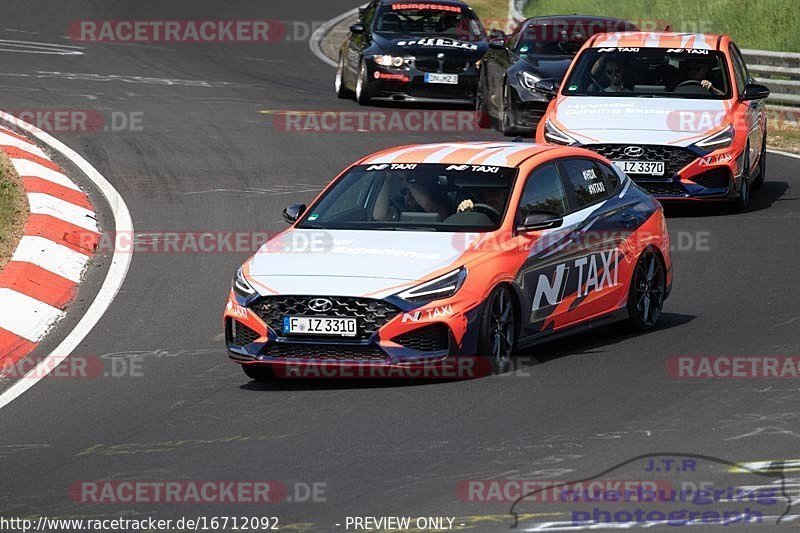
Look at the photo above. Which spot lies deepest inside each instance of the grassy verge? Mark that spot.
(763, 25)
(490, 10)
(13, 209)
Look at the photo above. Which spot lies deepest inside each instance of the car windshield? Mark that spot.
(415, 197)
(649, 72)
(563, 37)
(428, 19)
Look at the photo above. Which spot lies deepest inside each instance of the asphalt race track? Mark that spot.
(208, 158)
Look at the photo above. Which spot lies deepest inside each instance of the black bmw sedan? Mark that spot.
(540, 48)
(412, 52)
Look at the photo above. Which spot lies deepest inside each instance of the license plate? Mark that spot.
(302, 325)
(653, 168)
(447, 79)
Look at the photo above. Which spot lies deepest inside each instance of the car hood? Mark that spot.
(676, 121)
(349, 262)
(418, 46)
(545, 66)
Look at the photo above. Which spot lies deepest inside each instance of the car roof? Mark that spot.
(501, 154)
(656, 39)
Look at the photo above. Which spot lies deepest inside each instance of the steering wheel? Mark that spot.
(493, 213)
(687, 83)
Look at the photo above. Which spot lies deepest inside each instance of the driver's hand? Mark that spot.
(466, 205)
(706, 85)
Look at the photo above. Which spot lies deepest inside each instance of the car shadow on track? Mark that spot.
(763, 198)
(590, 341)
(584, 343)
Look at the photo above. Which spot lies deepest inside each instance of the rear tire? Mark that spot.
(647, 291)
(259, 372)
(498, 329)
(762, 166)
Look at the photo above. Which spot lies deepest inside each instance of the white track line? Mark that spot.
(785, 154)
(320, 33)
(115, 277)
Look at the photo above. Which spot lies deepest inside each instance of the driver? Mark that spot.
(493, 197)
(698, 70)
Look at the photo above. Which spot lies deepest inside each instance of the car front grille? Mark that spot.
(446, 66)
(433, 338)
(325, 352)
(370, 315)
(674, 157)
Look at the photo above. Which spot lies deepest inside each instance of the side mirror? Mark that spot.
(755, 91)
(549, 86)
(293, 212)
(497, 39)
(539, 220)
(357, 28)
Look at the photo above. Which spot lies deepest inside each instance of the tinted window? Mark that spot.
(544, 191)
(587, 182)
(608, 176)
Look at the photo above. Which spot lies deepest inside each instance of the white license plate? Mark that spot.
(653, 168)
(303, 325)
(447, 79)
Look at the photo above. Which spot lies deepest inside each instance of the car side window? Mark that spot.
(586, 182)
(739, 68)
(608, 175)
(544, 191)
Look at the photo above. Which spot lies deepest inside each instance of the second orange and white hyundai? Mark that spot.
(679, 113)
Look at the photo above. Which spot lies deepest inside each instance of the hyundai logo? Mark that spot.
(633, 151)
(320, 305)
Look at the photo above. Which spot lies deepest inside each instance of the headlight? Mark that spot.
(528, 80)
(441, 287)
(241, 286)
(721, 139)
(389, 61)
(556, 136)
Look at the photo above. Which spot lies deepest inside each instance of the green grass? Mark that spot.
(762, 25)
(13, 210)
(491, 12)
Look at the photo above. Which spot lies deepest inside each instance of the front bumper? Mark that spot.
(690, 174)
(408, 85)
(393, 339)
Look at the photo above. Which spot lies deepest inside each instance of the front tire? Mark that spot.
(498, 329)
(762, 166)
(481, 106)
(743, 200)
(647, 291)
(507, 115)
(362, 85)
(259, 373)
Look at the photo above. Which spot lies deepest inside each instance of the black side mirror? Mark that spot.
(293, 212)
(755, 91)
(497, 39)
(539, 220)
(549, 86)
(357, 28)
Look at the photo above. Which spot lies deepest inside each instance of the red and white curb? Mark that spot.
(59, 240)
